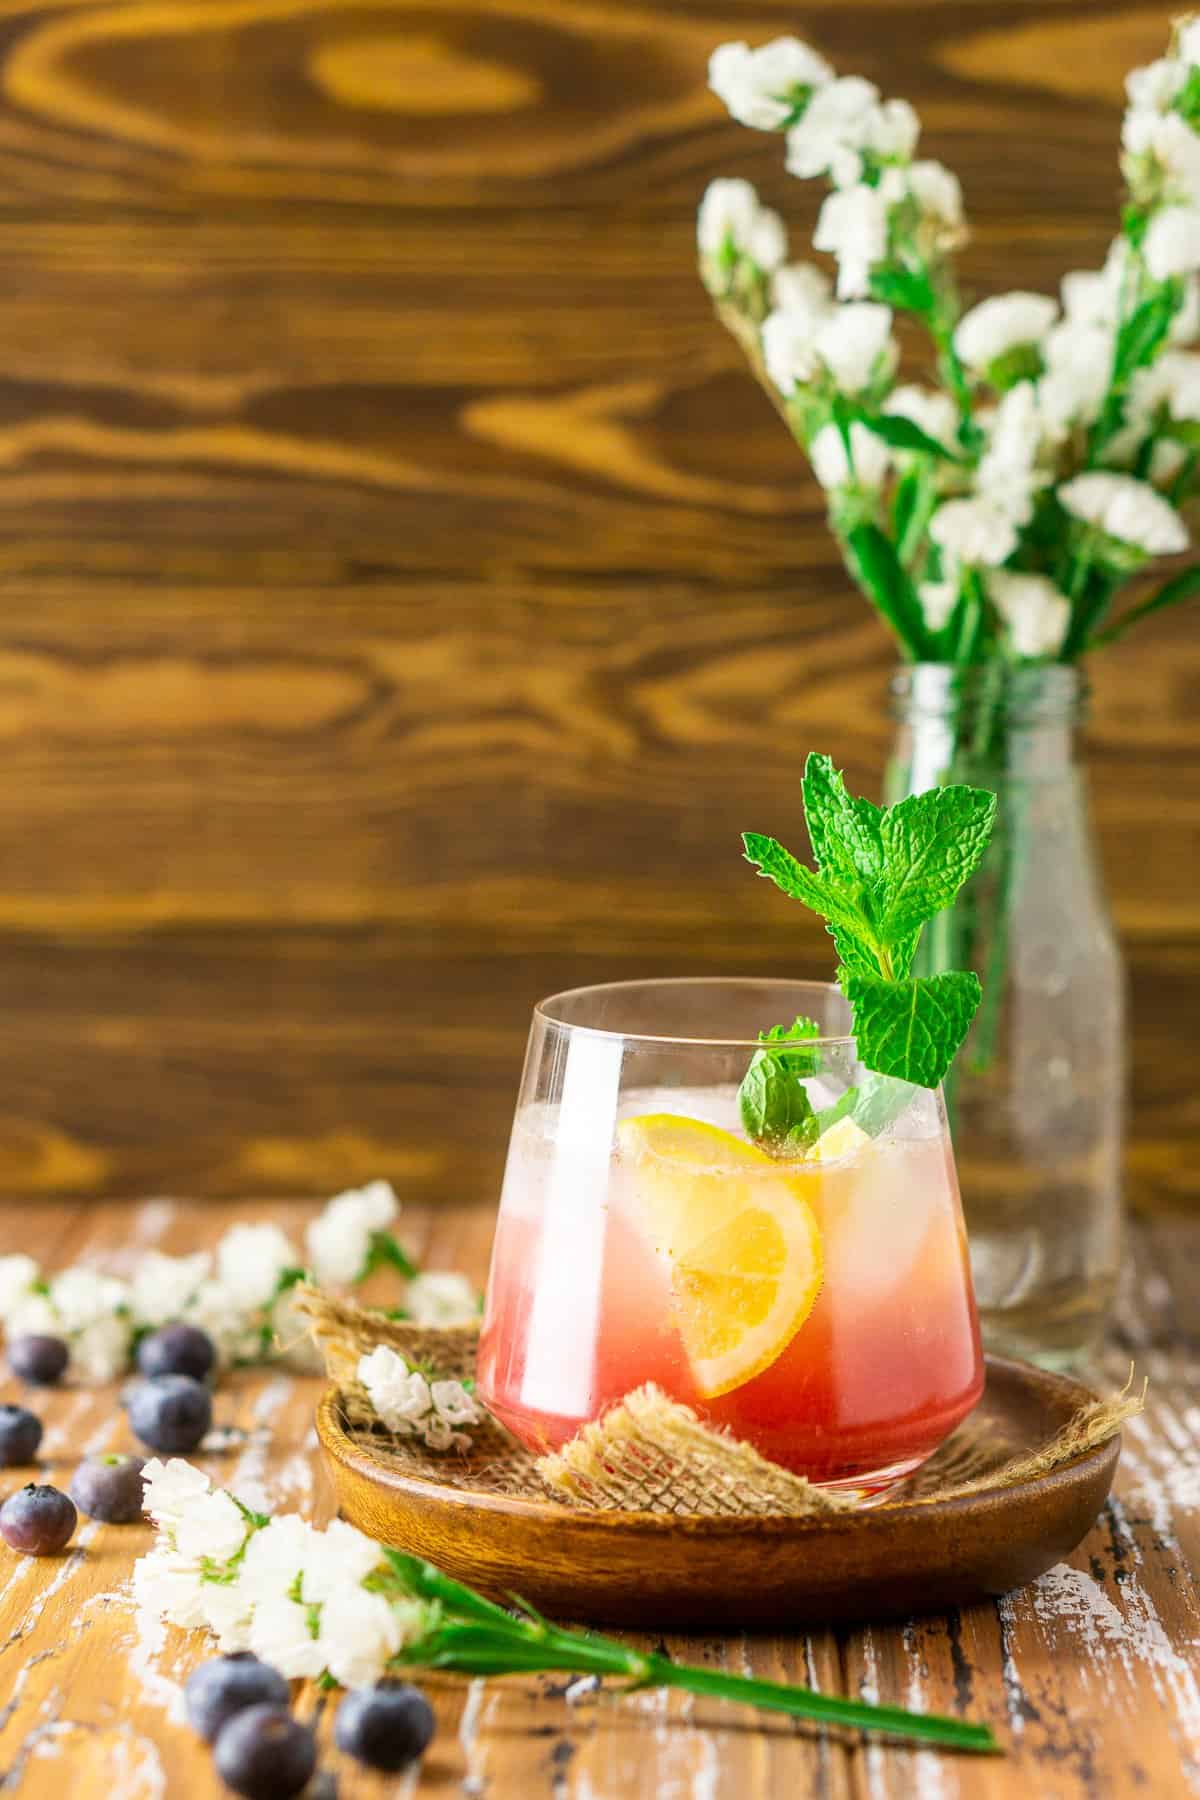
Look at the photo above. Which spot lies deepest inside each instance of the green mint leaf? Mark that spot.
(902, 434)
(932, 843)
(773, 1102)
(844, 831)
(880, 573)
(821, 894)
(902, 288)
(911, 1030)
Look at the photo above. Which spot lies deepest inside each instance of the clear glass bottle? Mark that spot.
(1037, 1097)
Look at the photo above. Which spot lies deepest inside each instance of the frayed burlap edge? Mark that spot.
(649, 1453)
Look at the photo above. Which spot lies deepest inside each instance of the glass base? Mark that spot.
(873, 1488)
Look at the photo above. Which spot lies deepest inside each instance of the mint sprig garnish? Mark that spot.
(773, 1101)
(882, 873)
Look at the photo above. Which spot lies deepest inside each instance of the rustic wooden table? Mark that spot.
(1091, 1677)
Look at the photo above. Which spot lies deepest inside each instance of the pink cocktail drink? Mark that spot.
(818, 1306)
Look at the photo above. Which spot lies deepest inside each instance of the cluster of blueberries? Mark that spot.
(238, 1704)
(169, 1410)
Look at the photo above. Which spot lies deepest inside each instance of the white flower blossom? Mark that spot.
(856, 345)
(408, 1405)
(441, 1297)
(1172, 243)
(1078, 370)
(803, 290)
(760, 87)
(974, 531)
(1003, 323)
(937, 194)
(170, 1588)
(872, 459)
(250, 1260)
(789, 349)
(837, 123)
(1010, 471)
(161, 1286)
(227, 1612)
(931, 411)
(1126, 509)
(281, 1633)
(1172, 145)
(235, 1329)
(1187, 39)
(853, 227)
(731, 217)
(81, 1295)
(1036, 612)
(17, 1276)
(360, 1633)
(1185, 326)
(101, 1351)
(938, 600)
(1155, 87)
(211, 1528)
(339, 1240)
(1171, 386)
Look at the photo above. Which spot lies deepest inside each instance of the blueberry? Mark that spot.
(41, 1361)
(20, 1435)
(177, 1350)
(217, 1690)
(170, 1413)
(387, 1726)
(265, 1754)
(109, 1488)
(37, 1519)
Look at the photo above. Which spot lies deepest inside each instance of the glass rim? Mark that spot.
(542, 1010)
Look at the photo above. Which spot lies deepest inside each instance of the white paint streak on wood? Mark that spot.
(868, 1687)
(929, 1767)
(468, 1736)
(1014, 1693)
(248, 1478)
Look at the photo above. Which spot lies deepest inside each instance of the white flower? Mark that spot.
(1035, 611)
(343, 1558)
(291, 1335)
(831, 465)
(1172, 384)
(731, 217)
(892, 130)
(162, 1286)
(233, 1327)
(437, 1297)
(1003, 323)
(228, 1611)
(1187, 39)
(974, 531)
(937, 194)
(789, 347)
(1172, 144)
(407, 1405)
(761, 87)
(1185, 326)
(171, 1489)
(856, 346)
(169, 1588)
(1009, 472)
(1078, 369)
(932, 411)
(837, 123)
(1126, 509)
(211, 1528)
(1172, 243)
(1166, 459)
(938, 600)
(804, 291)
(80, 1296)
(279, 1555)
(339, 1240)
(17, 1276)
(250, 1260)
(280, 1633)
(101, 1351)
(1154, 88)
(360, 1634)
(853, 226)
(33, 1314)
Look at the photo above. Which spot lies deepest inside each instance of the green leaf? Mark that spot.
(902, 434)
(844, 830)
(878, 569)
(1141, 336)
(1180, 587)
(774, 1104)
(905, 289)
(911, 1030)
(386, 1253)
(819, 893)
(933, 843)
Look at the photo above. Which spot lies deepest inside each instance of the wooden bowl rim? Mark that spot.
(1099, 1461)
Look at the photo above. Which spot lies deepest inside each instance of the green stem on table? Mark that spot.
(474, 1636)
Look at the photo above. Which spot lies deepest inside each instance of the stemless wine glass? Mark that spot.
(813, 1299)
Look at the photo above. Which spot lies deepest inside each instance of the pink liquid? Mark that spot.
(885, 1366)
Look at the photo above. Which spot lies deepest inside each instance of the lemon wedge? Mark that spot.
(843, 1139)
(742, 1240)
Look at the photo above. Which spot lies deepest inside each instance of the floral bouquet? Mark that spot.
(999, 513)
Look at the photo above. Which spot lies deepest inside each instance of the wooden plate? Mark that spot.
(655, 1572)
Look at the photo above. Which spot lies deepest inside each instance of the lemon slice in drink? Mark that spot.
(741, 1236)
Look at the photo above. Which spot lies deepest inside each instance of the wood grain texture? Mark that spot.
(1089, 1676)
(406, 599)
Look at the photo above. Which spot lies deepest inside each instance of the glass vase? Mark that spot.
(1037, 1096)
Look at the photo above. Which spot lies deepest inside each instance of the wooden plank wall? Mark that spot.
(405, 599)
